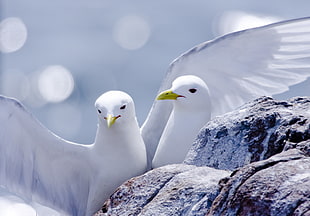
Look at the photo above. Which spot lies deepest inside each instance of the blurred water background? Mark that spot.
(58, 56)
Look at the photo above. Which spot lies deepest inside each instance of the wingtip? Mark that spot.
(14, 101)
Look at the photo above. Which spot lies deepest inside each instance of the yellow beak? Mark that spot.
(168, 95)
(111, 120)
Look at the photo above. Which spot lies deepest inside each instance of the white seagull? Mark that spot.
(191, 101)
(72, 178)
(236, 68)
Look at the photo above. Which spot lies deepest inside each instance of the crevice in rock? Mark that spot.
(157, 191)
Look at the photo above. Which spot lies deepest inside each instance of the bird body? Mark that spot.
(73, 178)
(191, 103)
(178, 137)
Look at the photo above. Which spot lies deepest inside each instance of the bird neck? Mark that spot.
(194, 117)
(108, 138)
(184, 109)
(197, 118)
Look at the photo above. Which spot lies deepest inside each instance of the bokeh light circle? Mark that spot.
(131, 32)
(13, 34)
(55, 83)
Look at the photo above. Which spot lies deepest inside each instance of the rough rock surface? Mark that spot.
(279, 185)
(266, 143)
(254, 132)
(171, 190)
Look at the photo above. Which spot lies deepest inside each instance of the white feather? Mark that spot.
(72, 178)
(238, 67)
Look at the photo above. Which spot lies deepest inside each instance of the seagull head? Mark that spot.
(189, 92)
(115, 108)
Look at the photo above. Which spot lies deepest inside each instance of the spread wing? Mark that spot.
(238, 67)
(36, 164)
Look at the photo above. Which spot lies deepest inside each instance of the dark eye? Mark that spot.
(123, 107)
(192, 90)
(99, 111)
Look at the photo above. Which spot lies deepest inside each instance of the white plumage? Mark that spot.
(72, 178)
(76, 178)
(237, 67)
(191, 100)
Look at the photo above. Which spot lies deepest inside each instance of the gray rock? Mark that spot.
(170, 190)
(279, 185)
(256, 131)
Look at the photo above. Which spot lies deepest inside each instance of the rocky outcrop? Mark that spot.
(265, 149)
(254, 132)
(279, 185)
(170, 190)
